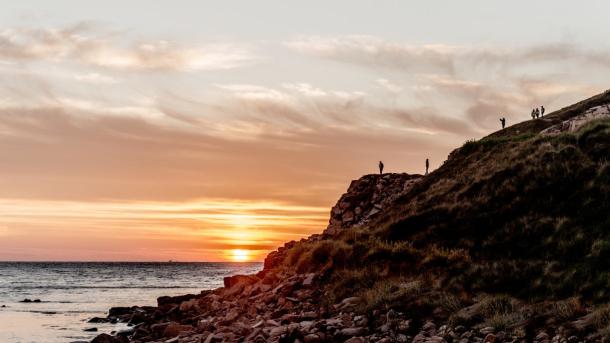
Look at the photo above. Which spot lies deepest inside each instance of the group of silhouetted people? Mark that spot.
(381, 167)
(538, 112)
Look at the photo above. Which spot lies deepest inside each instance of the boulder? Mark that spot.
(189, 305)
(231, 281)
(308, 280)
(106, 338)
(175, 300)
(490, 338)
(174, 329)
(98, 320)
(277, 331)
(312, 338)
(119, 311)
(351, 332)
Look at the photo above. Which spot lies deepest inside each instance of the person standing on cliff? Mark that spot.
(533, 113)
(542, 109)
(503, 121)
(380, 168)
(427, 165)
(537, 113)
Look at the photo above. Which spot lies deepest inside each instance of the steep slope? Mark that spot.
(522, 214)
(508, 240)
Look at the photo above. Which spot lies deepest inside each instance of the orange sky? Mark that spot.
(208, 132)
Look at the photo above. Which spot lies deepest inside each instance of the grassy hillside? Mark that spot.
(512, 231)
(509, 240)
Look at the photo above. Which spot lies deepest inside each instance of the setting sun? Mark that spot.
(240, 255)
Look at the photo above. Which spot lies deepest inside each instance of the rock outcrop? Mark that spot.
(366, 198)
(576, 122)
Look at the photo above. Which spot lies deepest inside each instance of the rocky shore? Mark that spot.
(270, 307)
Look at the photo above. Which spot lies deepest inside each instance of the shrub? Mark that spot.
(498, 304)
(502, 322)
(601, 316)
(567, 309)
(388, 293)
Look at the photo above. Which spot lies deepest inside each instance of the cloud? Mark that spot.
(82, 44)
(95, 78)
(305, 89)
(375, 52)
(243, 147)
(256, 92)
(389, 86)
(304, 107)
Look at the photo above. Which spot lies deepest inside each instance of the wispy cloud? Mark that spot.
(306, 107)
(83, 44)
(95, 78)
(262, 149)
(375, 52)
(389, 86)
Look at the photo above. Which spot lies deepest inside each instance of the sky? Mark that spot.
(218, 130)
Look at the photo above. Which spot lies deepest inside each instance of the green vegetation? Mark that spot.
(515, 226)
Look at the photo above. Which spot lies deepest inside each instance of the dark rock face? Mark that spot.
(30, 301)
(98, 320)
(119, 311)
(231, 281)
(106, 338)
(366, 198)
(165, 300)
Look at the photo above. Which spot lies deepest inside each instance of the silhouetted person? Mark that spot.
(427, 165)
(537, 113)
(542, 110)
(380, 168)
(533, 113)
(503, 121)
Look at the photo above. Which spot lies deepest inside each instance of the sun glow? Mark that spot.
(240, 255)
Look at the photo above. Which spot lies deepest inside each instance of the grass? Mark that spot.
(520, 217)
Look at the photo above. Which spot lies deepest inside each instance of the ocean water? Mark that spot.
(72, 293)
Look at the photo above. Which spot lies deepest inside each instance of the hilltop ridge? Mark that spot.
(508, 240)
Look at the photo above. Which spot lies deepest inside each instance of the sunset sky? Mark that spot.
(213, 131)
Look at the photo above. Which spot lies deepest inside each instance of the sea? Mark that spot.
(71, 293)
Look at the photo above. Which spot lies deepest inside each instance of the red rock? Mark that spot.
(277, 331)
(355, 340)
(308, 281)
(174, 300)
(351, 332)
(231, 281)
(490, 338)
(174, 329)
(312, 338)
(159, 328)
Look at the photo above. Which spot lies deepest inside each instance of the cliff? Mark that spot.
(509, 240)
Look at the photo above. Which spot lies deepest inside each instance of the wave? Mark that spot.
(17, 288)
